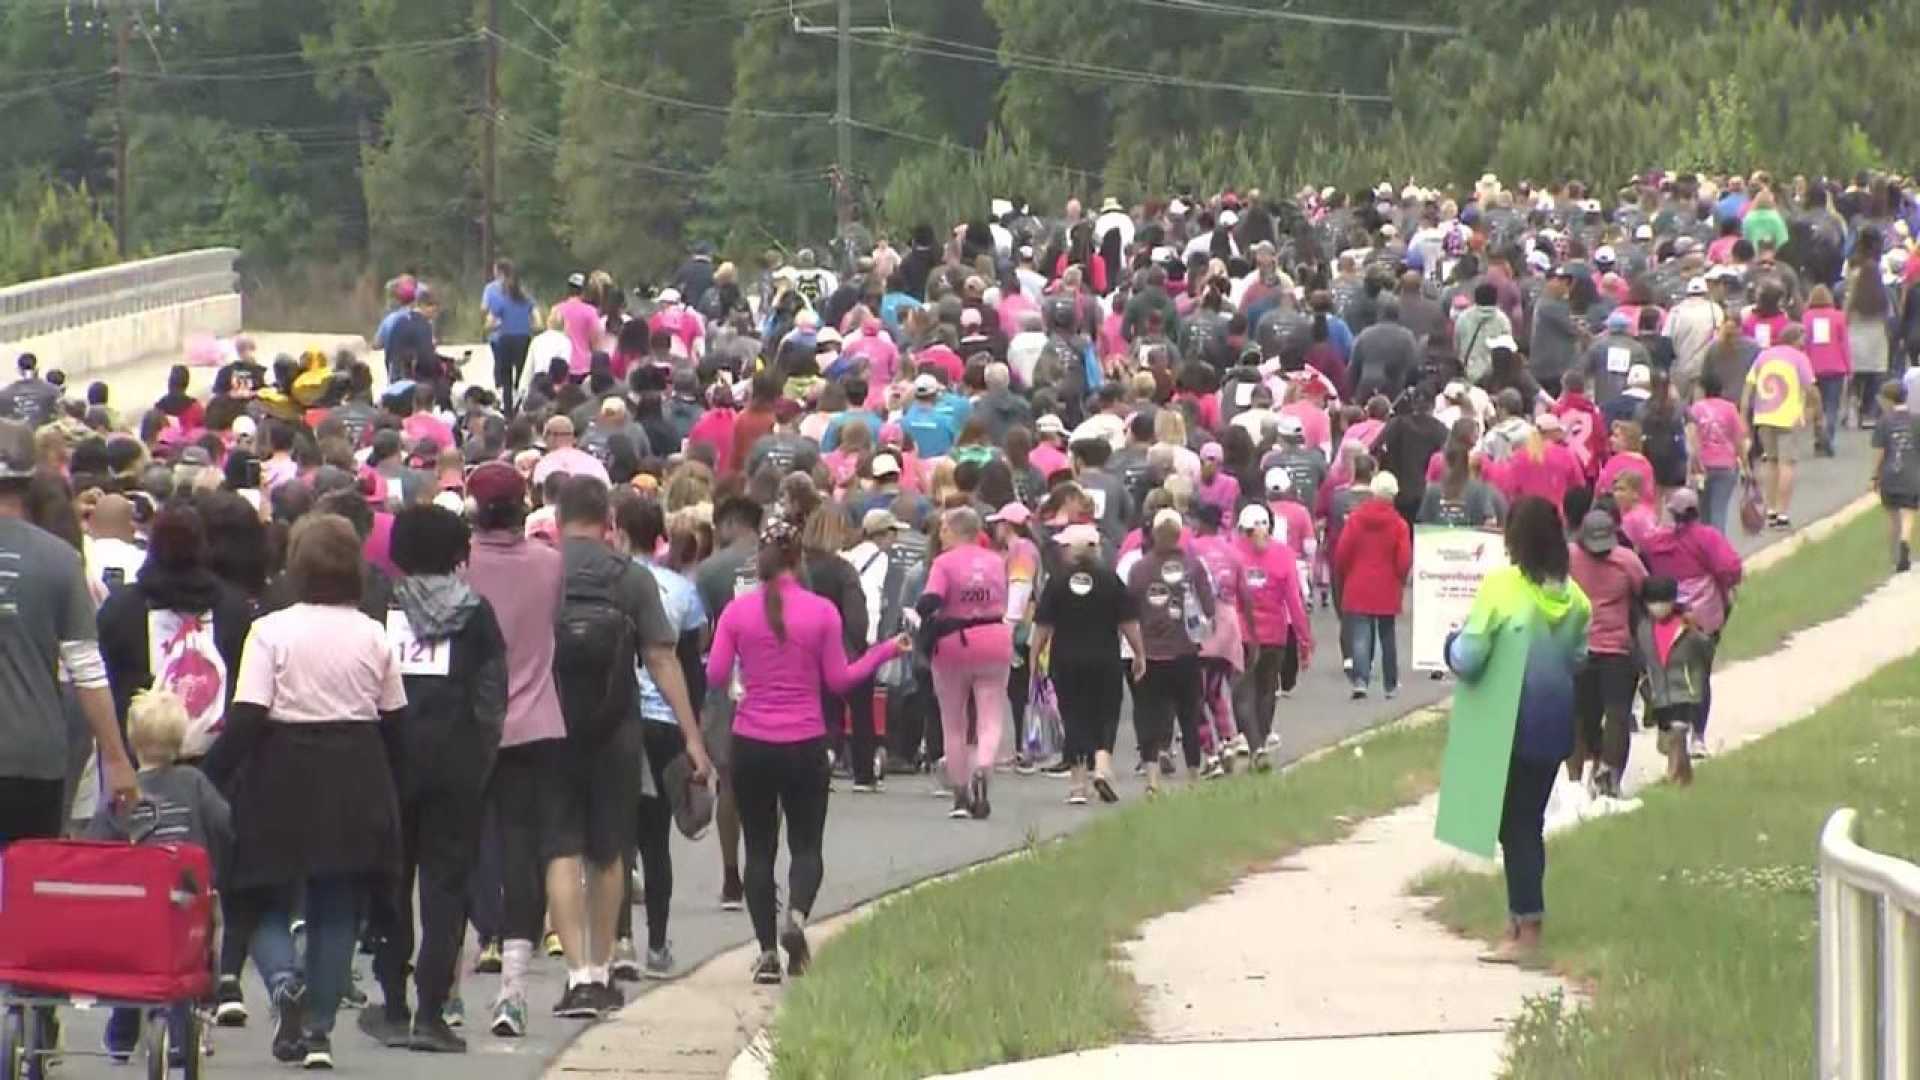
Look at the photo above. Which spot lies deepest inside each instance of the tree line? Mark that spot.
(348, 132)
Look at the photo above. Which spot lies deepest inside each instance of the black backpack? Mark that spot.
(594, 656)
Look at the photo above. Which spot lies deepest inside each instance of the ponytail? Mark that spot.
(779, 554)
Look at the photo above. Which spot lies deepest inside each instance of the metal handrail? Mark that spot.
(1868, 992)
(40, 307)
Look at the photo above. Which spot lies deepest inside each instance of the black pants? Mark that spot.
(1603, 700)
(664, 743)
(1276, 668)
(523, 862)
(439, 838)
(771, 780)
(862, 742)
(1170, 691)
(31, 809)
(485, 907)
(1089, 696)
(1523, 821)
(509, 360)
(913, 723)
(1019, 682)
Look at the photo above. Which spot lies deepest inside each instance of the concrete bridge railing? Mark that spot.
(88, 322)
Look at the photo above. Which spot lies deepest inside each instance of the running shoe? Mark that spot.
(1024, 767)
(353, 997)
(577, 1002)
(606, 998)
(626, 963)
(1059, 770)
(289, 1020)
(488, 962)
(1212, 770)
(431, 1036)
(1358, 693)
(793, 938)
(1238, 747)
(1697, 746)
(319, 1055)
(733, 895)
(1166, 763)
(659, 962)
(454, 1012)
(552, 944)
(1076, 797)
(388, 1031)
(1226, 764)
(1104, 787)
(510, 1017)
(230, 1009)
(1905, 562)
(766, 970)
(961, 810)
(1260, 762)
(1272, 744)
(981, 807)
(874, 787)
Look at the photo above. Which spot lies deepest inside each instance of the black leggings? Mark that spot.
(1089, 698)
(1603, 700)
(863, 741)
(1170, 690)
(664, 743)
(440, 836)
(771, 779)
(1276, 668)
(509, 359)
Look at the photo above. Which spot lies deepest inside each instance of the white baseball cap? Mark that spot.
(1697, 287)
(885, 465)
(1255, 516)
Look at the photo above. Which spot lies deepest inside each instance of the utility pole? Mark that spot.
(843, 118)
(487, 177)
(122, 34)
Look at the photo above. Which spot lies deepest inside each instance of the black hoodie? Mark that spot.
(123, 625)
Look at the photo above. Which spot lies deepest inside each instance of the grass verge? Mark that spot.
(1821, 581)
(1693, 920)
(1015, 960)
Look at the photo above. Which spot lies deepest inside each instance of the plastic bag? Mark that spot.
(1753, 508)
(1046, 735)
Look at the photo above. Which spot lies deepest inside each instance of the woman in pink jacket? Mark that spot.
(1825, 343)
(1700, 559)
(1280, 627)
(787, 641)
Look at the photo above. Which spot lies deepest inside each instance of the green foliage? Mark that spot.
(202, 184)
(50, 229)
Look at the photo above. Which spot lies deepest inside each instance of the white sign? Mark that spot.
(1448, 567)
(1619, 359)
(1763, 334)
(1822, 332)
(414, 656)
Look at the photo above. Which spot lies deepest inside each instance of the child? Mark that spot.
(178, 804)
(1896, 469)
(1677, 657)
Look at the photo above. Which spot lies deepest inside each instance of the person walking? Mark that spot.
(303, 760)
(1174, 598)
(1277, 603)
(1532, 606)
(787, 643)
(1611, 575)
(1085, 665)
(510, 312)
(964, 608)
(1373, 561)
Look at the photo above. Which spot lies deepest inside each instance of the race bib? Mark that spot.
(1822, 332)
(417, 657)
(1243, 394)
(1763, 334)
(1099, 500)
(1619, 359)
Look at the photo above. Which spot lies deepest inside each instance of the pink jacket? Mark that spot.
(1273, 587)
(1705, 565)
(1826, 341)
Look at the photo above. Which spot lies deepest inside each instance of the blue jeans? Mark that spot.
(1717, 499)
(1523, 822)
(1360, 632)
(1833, 390)
(332, 915)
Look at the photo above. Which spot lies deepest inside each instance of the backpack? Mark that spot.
(1666, 442)
(594, 653)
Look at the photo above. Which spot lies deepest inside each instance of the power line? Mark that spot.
(657, 98)
(308, 70)
(956, 148)
(48, 88)
(1386, 26)
(978, 54)
(548, 141)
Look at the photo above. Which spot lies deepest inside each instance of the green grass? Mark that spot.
(1821, 581)
(1015, 959)
(1693, 920)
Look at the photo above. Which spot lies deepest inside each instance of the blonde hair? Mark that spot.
(1170, 427)
(156, 726)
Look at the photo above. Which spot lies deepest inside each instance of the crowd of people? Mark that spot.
(946, 509)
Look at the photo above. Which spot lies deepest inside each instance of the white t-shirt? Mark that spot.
(112, 563)
(548, 346)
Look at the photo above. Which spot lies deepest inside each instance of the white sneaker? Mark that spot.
(1212, 770)
(1697, 746)
(1273, 742)
(626, 963)
(1238, 747)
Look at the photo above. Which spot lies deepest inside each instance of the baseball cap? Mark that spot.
(787, 410)
(1385, 485)
(1619, 321)
(884, 465)
(669, 296)
(879, 520)
(893, 435)
(1229, 219)
(1050, 425)
(1014, 513)
(1639, 376)
(1683, 245)
(1644, 232)
(1539, 261)
(1279, 481)
(1683, 500)
(1078, 536)
(1290, 427)
(1564, 270)
(926, 386)
(1504, 341)
(1169, 516)
(244, 425)
(1255, 516)
(577, 280)
(1604, 256)
(16, 451)
(1597, 533)
(1548, 422)
(496, 482)
(1213, 452)
(1697, 286)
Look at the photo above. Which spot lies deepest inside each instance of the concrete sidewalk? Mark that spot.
(1374, 966)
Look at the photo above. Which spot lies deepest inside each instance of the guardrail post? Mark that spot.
(1827, 975)
(1897, 998)
(1859, 916)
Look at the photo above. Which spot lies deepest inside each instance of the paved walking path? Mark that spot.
(875, 845)
(1378, 987)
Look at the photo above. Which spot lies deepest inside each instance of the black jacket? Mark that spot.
(453, 721)
(123, 626)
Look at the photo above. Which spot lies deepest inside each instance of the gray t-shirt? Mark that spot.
(43, 602)
(1898, 433)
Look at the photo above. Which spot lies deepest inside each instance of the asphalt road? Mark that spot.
(875, 844)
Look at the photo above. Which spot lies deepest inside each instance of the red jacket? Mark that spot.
(1373, 559)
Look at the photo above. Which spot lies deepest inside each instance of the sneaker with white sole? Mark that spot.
(1212, 770)
(1238, 747)
(626, 962)
(510, 1017)
(659, 963)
